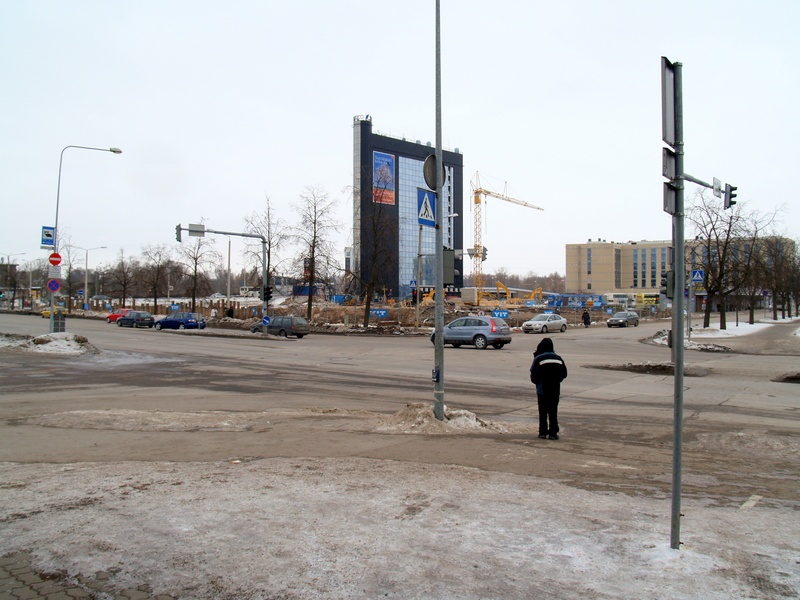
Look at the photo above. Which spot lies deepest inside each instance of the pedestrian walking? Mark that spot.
(587, 318)
(547, 372)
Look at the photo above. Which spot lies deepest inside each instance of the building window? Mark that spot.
(636, 267)
(589, 262)
(653, 265)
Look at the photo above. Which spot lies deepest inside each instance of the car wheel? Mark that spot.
(282, 333)
(181, 326)
(433, 340)
(636, 323)
(563, 328)
(625, 324)
(498, 345)
(119, 324)
(456, 344)
(300, 337)
(544, 329)
(108, 319)
(480, 342)
(158, 326)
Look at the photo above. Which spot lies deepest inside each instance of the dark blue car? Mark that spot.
(182, 320)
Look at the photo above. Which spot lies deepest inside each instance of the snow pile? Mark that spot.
(661, 339)
(418, 417)
(69, 344)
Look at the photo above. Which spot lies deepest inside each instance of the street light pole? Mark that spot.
(86, 272)
(55, 229)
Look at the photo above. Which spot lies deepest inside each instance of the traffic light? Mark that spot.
(483, 254)
(414, 295)
(267, 293)
(668, 284)
(178, 232)
(730, 194)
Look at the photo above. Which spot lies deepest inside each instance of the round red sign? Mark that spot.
(55, 259)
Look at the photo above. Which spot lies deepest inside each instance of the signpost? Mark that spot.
(55, 259)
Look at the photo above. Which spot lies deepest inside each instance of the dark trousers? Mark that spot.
(548, 411)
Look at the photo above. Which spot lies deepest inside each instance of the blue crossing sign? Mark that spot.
(698, 275)
(426, 207)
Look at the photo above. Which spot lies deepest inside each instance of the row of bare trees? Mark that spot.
(194, 267)
(743, 256)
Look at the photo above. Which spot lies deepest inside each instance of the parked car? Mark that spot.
(545, 323)
(182, 320)
(476, 331)
(57, 310)
(623, 319)
(284, 326)
(136, 318)
(120, 312)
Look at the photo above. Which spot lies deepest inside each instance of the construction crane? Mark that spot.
(478, 251)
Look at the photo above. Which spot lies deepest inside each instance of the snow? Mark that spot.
(303, 528)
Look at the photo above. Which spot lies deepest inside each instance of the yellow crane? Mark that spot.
(478, 251)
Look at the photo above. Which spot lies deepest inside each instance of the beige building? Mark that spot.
(601, 267)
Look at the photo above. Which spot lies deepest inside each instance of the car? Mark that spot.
(217, 296)
(120, 312)
(182, 320)
(624, 319)
(57, 310)
(478, 331)
(545, 323)
(136, 318)
(284, 326)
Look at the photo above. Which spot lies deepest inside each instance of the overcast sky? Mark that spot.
(218, 105)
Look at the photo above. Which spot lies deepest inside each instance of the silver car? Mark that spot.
(477, 331)
(623, 319)
(545, 323)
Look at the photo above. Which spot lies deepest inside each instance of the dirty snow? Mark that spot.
(65, 343)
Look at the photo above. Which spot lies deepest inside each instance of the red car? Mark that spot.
(120, 312)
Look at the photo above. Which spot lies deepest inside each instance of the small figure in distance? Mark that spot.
(547, 372)
(229, 312)
(587, 318)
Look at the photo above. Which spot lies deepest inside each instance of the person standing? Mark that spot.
(547, 372)
(587, 318)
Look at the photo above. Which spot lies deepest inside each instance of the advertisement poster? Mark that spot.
(383, 178)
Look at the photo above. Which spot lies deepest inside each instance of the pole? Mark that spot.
(229, 270)
(419, 275)
(86, 280)
(438, 370)
(679, 269)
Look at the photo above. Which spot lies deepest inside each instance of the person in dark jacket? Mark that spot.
(547, 372)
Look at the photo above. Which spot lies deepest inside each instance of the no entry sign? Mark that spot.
(55, 259)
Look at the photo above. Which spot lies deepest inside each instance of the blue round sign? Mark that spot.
(266, 320)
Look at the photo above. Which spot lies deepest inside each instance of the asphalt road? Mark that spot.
(317, 396)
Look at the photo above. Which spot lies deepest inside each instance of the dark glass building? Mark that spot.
(390, 201)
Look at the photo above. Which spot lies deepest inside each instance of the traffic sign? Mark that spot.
(265, 320)
(55, 259)
(48, 238)
(426, 207)
(80, 293)
(698, 275)
(54, 285)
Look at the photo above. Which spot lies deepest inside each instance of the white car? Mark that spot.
(545, 323)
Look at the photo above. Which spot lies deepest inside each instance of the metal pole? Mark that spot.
(438, 370)
(679, 270)
(55, 229)
(419, 275)
(229, 269)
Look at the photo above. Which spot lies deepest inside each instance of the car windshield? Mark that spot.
(620, 316)
(541, 317)
(300, 321)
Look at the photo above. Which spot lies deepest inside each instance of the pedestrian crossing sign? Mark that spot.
(426, 207)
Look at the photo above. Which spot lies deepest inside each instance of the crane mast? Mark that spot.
(478, 250)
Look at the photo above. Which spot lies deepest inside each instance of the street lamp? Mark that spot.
(55, 231)
(86, 273)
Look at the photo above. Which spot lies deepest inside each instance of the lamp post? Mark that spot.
(86, 273)
(55, 230)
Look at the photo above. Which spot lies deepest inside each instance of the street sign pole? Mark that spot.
(672, 129)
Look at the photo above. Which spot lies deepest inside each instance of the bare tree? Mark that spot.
(728, 239)
(315, 225)
(197, 257)
(778, 263)
(122, 276)
(275, 231)
(154, 277)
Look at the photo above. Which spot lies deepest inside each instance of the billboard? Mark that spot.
(383, 184)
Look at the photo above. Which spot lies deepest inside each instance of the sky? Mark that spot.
(217, 106)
